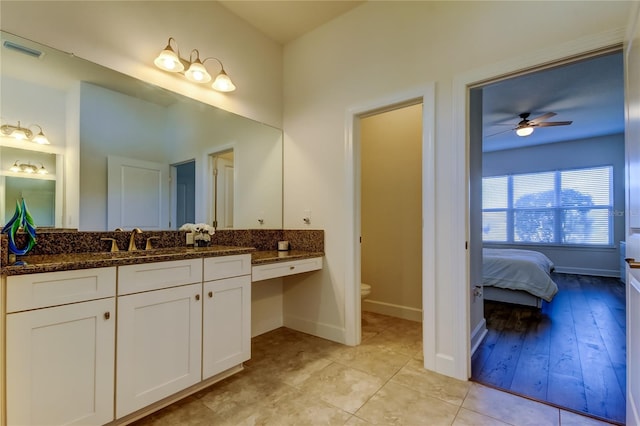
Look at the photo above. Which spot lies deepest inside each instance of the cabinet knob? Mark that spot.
(210, 294)
(197, 297)
(291, 268)
(107, 315)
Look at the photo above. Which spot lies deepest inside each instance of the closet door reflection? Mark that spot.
(223, 187)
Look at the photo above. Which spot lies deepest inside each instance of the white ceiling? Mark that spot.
(590, 93)
(284, 21)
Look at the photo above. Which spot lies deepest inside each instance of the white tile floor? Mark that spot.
(297, 379)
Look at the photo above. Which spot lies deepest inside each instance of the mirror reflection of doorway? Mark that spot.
(221, 166)
(185, 192)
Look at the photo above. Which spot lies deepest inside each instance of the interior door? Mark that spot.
(138, 194)
(223, 185)
(632, 143)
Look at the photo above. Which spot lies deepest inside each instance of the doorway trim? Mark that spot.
(462, 83)
(425, 95)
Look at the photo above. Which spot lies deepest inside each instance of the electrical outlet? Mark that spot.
(189, 238)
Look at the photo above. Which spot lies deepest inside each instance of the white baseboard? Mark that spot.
(588, 271)
(392, 310)
(478, 335)
(326, 331)
(265, 326)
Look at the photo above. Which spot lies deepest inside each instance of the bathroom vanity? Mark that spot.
(107, 338)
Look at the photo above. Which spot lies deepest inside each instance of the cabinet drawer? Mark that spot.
(217, 268)
(34, 291)
(154, 276)
(282, 269)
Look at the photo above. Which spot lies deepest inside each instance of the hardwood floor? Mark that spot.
(570, 353)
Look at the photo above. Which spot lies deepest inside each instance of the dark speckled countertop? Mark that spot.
(65, 262)
(68, 249)
(262, 257)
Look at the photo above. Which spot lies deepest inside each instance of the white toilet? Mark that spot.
(365, 290)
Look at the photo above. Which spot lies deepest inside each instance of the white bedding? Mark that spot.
(517, 269)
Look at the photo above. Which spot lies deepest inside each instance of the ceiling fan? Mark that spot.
(525, 126)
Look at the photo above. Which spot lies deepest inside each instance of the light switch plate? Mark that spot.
(189, 238)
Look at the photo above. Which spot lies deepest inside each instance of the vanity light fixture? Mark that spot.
(28, 168)
(24, 133)
(170, 61)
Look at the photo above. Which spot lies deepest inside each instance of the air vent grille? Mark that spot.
(23, 49)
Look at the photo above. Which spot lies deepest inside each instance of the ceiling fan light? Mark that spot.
(223, 83)
(524, 131)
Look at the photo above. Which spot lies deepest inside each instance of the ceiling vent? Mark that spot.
(34, 53)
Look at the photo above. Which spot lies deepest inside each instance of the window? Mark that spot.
(566, 207)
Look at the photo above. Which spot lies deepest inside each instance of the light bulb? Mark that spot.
(41, 139)
(19, 134)
(197, 73)
(223, 83)
(168, 60)
(524, 131)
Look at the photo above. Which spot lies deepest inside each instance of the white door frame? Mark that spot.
(461, 85)
(632, 130)
(425, 95)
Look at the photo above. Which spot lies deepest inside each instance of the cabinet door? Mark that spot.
(226, 321)
(60, 364)
(159, 345)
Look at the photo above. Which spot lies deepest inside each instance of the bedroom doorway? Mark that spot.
(552, 353)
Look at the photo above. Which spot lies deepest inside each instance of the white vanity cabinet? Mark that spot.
(159, 331)
(181, 325)
(226, 333)
(60, 347)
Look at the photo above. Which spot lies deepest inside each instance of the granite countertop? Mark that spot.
(272, 256)
(66, 262)
(32, 264)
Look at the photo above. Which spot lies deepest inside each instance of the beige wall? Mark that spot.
(128, 35)
(374, 51)
(391, 197)
(377, 50)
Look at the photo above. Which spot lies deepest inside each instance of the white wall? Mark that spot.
(372, 52)
(128, 35)
(113, 124)
(593, 152)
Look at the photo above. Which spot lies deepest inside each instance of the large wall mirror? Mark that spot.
(130, 154)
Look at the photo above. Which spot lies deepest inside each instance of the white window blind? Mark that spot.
(572, 207)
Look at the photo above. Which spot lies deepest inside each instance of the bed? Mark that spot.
(517, 276)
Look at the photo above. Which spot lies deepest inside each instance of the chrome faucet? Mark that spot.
(132, 239)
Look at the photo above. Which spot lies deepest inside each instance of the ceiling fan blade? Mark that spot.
(542, 117)
(552, 123)
(499, 133)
